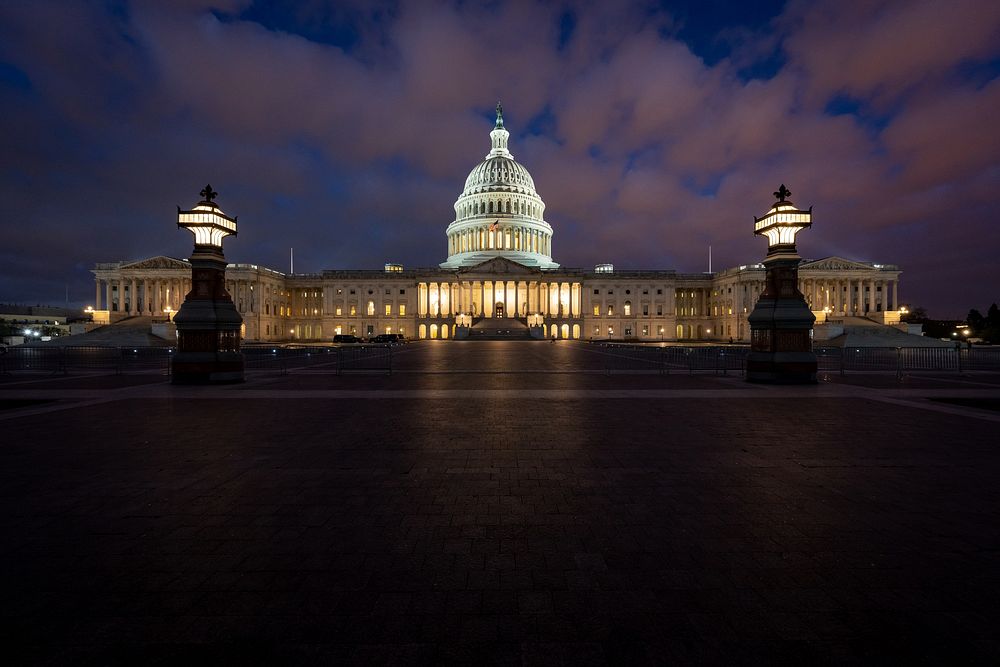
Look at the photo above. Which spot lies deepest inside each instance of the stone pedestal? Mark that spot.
(208, 326)
(781, 326)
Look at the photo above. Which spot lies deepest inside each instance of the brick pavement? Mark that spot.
(257, 525)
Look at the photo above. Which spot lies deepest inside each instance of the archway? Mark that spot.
(499, 309)
(434, 331)
(422, 331)
(564, 333)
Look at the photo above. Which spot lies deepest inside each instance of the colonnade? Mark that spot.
(151, 296)
(504, 238)
(492, 298)
(850, 295)
(140, 296)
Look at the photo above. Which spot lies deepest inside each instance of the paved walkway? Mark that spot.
(523, 518)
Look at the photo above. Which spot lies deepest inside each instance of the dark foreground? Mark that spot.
(500, 518)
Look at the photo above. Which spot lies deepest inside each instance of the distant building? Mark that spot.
(499, 275)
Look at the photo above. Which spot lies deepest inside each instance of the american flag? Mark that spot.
(495, 226)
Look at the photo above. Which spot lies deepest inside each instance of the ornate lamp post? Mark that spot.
(781, 323)
(208, 324)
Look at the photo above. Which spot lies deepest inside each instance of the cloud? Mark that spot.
(347, 130)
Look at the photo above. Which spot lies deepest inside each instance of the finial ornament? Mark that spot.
(499, 115)
(208, 194)
(783, 193)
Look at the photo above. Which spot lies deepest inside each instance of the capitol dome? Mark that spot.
(499, 214)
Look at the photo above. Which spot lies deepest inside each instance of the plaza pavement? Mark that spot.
(500, 503)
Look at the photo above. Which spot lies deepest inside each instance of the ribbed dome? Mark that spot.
(499, 214)
(499, 173)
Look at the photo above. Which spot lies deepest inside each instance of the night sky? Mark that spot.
(652, 131)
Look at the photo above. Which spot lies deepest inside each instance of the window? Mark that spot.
(611, 291)
(371, 307)
(354, 311)
(659, 309)
(659, 291)
(645, 309)
(597, 310)
(340, 291)
(645, 329)
(628, 291)
(596, 292)
(402, 291)
(371, 291)
(645, 291)
(339, 310)
(611, 310)
(387, 291)
(388, 311)
(402, 312)
(352, 291)
(628, 309)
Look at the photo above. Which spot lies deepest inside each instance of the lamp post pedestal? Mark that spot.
(208, 324)
(781, 324)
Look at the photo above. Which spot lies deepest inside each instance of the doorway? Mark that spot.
(499, 309)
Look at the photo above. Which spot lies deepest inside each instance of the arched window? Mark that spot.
(422, 331)
(371, 307)
(507, 206)
(491, 207)
(576, 331)
(434, 331)
(628, 308)
(565, 331)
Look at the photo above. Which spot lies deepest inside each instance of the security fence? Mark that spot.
(345, 359)
(725, 359)
(96, 360)
(673, 358)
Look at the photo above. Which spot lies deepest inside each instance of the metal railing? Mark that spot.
(674, 358)
(345, 359)
(79, 359)
(723, 359)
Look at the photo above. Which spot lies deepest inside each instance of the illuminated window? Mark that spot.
(388, 311)
(354, 310)
(339, 310)
(371, 307)
(645, 329)
(402, 310)
(628, 308)
(611, 310)
(340, 291)
(597, 310)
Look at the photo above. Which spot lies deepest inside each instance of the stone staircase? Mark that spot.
(499, 328)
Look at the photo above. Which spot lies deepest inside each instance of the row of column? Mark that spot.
(505, 238)
(693, 306)
(492, 298)
(850, 296)
(243, 295)
(122, 294)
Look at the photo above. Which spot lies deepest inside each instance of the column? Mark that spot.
(132, 307)
(107, 293)
(97, 293)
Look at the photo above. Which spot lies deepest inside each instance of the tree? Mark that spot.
(975, 319)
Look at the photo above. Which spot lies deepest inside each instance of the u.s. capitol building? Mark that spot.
(499, 279)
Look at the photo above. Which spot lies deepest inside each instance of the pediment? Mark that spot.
(501, 266)
(160, 262)
(835, 264)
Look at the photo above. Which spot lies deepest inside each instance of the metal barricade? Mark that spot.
(364, 359)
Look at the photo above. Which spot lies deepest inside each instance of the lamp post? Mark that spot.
(781, 323)
(208, 324)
